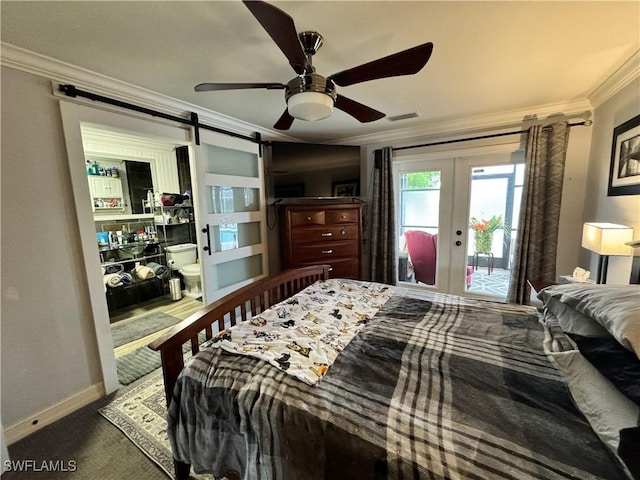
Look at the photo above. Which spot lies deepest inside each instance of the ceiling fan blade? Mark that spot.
(357, 110)
(284, 122)
(282, 30)
(207, 87)
(406, 62)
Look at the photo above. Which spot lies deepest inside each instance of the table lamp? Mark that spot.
(606, 239)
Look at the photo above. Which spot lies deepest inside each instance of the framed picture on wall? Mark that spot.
(624, 173)
(348, 188)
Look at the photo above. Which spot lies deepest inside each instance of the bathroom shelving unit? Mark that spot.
(140, 290)
(174, 224)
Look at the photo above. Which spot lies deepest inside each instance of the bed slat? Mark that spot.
(259, 295)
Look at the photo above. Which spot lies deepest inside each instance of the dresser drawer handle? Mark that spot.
(326, 234)
(327, 251)
(309, 218)
(331, 269)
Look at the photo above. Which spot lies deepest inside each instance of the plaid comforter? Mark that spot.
(435, 386)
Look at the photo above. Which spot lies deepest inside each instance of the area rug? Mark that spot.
(131, 329)
(140, 414)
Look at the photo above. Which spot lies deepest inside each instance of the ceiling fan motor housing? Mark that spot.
(310, 97)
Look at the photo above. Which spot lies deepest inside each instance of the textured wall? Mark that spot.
(598, 207)
(48, 337)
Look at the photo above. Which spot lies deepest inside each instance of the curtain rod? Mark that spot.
(481, 137)
(72, 91)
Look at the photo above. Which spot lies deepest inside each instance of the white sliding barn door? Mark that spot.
(231, 213)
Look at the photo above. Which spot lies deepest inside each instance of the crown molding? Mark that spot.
(84, 79)
(620, 78)
(482, 123)
(58, 71)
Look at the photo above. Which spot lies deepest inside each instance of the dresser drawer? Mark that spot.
(333, 217)
(308, 217)
(328, 233)
(349, 268)
(322, 253)
(344, 268)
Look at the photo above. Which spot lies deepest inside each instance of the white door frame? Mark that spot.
(454, 204)
(73, 115)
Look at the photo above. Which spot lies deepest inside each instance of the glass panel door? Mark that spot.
(491, 211)
(469, 206)
(423, 192)
(493, 214)
(232, 213)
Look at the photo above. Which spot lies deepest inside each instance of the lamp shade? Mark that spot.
(310, 106)
(607, 238)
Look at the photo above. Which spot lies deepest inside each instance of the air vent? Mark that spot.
(405, 116)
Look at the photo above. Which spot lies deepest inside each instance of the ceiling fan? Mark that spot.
(309, 95)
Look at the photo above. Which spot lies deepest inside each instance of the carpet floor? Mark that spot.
(141, 415)
(99, 450)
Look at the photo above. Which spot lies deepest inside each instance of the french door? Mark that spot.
(231, 213)
(451, 197)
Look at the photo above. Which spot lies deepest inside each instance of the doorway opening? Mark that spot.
(140, 192)
(457, 222)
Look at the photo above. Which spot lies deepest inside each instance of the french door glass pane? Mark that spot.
(420, 201)
(225, 161)
(494, 206)
(488, 199)
(421, 208)
(516, 206)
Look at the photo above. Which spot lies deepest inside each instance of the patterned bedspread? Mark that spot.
(305, 334)
(435, 386)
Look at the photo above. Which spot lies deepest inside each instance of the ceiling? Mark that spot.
(488, 57)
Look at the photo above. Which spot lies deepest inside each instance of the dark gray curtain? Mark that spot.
(537, 242)
(383, 220)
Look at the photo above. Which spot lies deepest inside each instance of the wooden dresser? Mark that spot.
(316, 234)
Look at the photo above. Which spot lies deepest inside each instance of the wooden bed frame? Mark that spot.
(237, 306)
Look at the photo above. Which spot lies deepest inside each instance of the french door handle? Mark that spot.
(207, 247)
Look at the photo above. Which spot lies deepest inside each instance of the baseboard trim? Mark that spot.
(51, 414)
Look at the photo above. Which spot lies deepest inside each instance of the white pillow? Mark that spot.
(615, 307)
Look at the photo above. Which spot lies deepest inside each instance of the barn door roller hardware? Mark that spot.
(73, 92)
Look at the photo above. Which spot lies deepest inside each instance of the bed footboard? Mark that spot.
(235, 307)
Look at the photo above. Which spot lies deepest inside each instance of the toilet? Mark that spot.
(182, 258)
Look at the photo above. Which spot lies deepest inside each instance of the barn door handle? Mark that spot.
(207, 247)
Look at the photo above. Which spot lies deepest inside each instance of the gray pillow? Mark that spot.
(572, 321)
(615, 307)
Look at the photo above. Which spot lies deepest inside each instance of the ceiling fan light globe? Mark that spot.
(310, 106)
